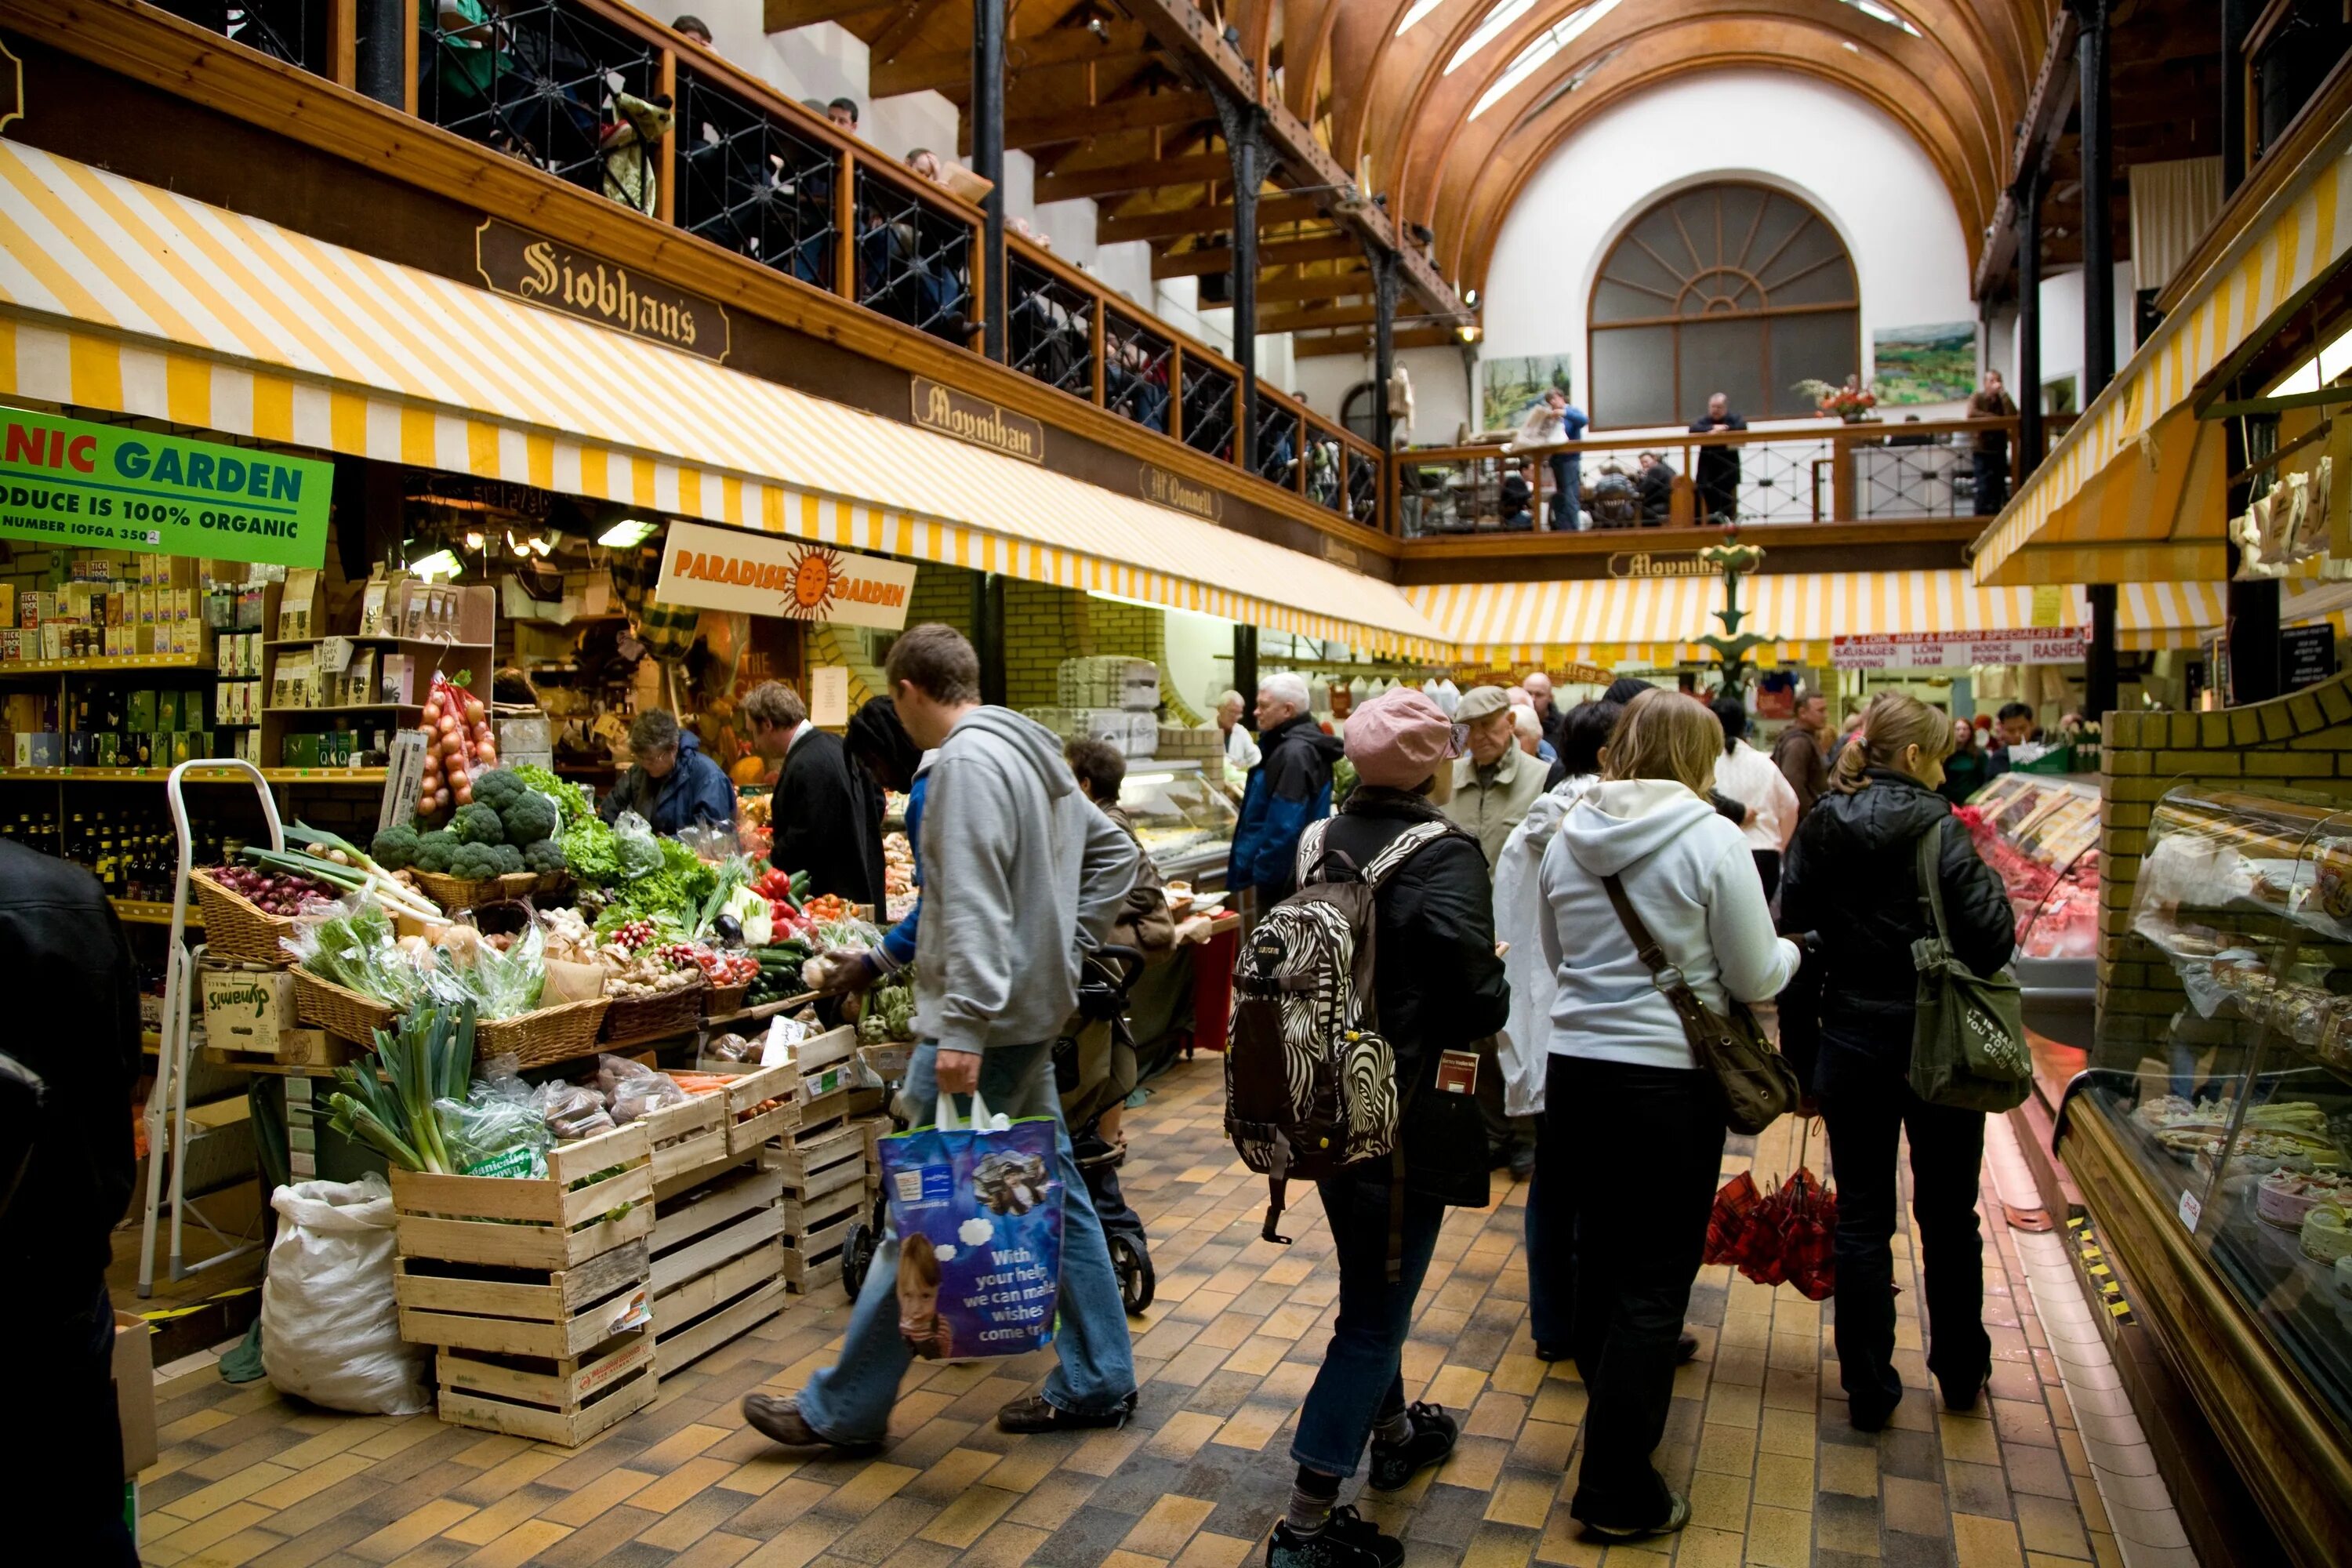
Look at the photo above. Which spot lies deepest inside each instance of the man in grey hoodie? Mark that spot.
(1021, 873)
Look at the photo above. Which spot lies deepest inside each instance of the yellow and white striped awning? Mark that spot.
(2135, 491)
(1610, 620)
(120, 296)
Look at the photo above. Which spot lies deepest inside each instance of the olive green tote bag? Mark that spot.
(1968, 1039)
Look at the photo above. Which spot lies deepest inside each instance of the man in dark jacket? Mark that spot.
(1290, 788)
(672, 784)
(66, 1070)
(1852, 881)
(1438, 906)
(828, 811)
(1798, 751)
(1717, 478)
(1656, 483)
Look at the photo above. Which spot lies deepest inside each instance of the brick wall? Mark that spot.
(2300, 741)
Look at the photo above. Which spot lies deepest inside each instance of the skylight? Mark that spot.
(1498, 19)
(1534, 56)
(1419, 9)
(1878, 12)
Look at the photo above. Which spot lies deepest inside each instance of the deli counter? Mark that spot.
(2041, 834)
(1184, 820)
(2211, 1135)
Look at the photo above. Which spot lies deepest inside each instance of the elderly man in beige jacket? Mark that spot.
(1495, 782)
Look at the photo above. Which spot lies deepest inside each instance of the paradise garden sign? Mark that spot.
(69, 484)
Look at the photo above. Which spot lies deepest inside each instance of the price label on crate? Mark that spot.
(403, 775)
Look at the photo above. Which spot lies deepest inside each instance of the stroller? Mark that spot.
(1094, 1068)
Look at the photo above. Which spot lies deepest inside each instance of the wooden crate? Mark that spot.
(824, 1192)
(592, 1199)
(814, 1260)
(718, 1267)
(565, 1400)
(687, 1138)
(749, 1127)
(818, 1149)
(832, 1047)
(548, 1313)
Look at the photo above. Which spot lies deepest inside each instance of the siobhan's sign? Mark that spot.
(978, 421)
(108, 487)
(770, 574)
(526, 266)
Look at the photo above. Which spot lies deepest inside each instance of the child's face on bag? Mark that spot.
(917, 1299)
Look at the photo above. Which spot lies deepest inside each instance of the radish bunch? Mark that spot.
(458, 744)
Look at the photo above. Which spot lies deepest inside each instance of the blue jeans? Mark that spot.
(850, 1402)
(1359, 1381)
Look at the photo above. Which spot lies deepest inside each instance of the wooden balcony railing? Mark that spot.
(1844, 473)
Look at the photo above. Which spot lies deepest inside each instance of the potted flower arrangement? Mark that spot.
(1851, 403)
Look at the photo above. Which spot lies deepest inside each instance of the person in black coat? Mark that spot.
(1439, 987)
(828, 811)
(1852, 882)
(1718, 474)
(68, 1068)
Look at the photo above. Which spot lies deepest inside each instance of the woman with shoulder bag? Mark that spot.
(1852, 882)
(1439, 987)
(1633, 1124)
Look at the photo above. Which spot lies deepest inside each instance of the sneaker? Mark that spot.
(1349, 1541)
(1395, 1463)
(1678, 1514)
(778, 1418)
(1039, 1414)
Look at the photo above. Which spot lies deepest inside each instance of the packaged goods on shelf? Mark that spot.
(1107, 681)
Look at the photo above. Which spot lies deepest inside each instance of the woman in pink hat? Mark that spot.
(1439, 989)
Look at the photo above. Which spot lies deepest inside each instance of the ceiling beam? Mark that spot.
(1314, 317)
(942, 71)
(1187, 32)
(1356, 342)
(1281, 253)
(2056, 87)
(1143, 112)
(1315, 286)
(784, 16)
(1126, 179)
(1112, 228)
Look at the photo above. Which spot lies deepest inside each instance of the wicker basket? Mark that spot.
(518, 884)
(235, 929)
(456, 893)
(549, 882)
(323, 1005)
(651, 1017)
(550, 1035)
(719, 1001)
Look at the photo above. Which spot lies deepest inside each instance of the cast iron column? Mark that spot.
(1246, 670)
(1386, 275)
(381, 56)
(2099, 179)
(2233, 94)
(2028, 326)
(2251, 630)
(1246, 146)
(988, 162)
(988, 634)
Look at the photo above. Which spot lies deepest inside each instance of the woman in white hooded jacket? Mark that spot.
(1636, 1124)
(1524, 1047)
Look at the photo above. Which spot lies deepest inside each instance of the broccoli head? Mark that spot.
(545, 857)
(478, 823)
(396, 848)
(499, 789)
(528, 817)
(475, 862)
(435, 849)
(508, 859)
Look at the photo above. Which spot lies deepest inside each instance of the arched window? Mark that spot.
(1726, 288)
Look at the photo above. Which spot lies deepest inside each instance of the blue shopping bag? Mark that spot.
(976, 1209)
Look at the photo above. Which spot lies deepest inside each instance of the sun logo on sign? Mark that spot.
(816, 569)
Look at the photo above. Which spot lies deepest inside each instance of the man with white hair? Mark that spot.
(1241, 752)
(1542, 751)
(1289, 787)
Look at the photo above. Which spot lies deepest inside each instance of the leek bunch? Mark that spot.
(429, 1057)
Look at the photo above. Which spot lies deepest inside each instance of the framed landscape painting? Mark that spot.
(1933, 364)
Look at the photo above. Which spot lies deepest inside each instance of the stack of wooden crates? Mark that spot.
(825, 1165)
(718, 1257)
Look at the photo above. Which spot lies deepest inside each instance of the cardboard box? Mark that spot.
(134, 1392)
(246, 1009)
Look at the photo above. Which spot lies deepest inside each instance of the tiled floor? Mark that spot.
(1757, 1432)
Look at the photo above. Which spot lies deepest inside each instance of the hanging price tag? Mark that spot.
(2191, 1211)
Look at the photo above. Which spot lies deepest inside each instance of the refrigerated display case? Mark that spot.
(2041, 834)
(1184, 820)
(2209, 1135)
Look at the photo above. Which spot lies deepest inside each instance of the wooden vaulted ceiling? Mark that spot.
(1107, 115)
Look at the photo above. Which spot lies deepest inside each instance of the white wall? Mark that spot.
(1441, 398)
(2061, 326)
(1859, 169)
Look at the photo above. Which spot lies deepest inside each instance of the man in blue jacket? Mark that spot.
(1290, 788)
(673, 786)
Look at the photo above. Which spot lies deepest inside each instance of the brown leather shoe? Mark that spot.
(778, 1418)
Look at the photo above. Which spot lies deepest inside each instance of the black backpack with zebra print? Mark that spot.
(1310, 1083)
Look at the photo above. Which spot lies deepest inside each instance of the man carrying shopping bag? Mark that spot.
(1021, 873)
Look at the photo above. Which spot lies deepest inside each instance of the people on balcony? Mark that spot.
(843, 113)
(1135, 384)
(1656, 483)
(1718, 478)
(1616, 502)
(692, 26)
(1517, 498)
(627, 146)
(1991, 401)
(1551, 421)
